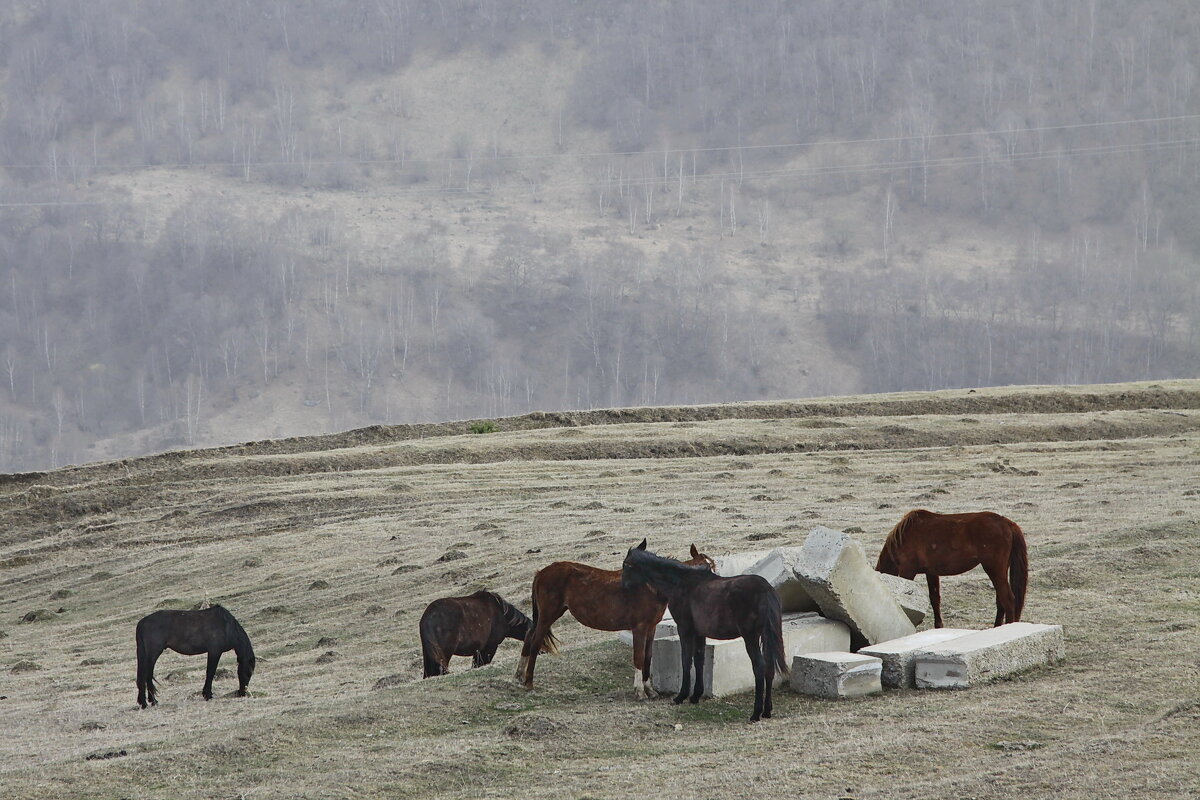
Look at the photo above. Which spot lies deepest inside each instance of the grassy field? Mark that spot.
(1102, 479)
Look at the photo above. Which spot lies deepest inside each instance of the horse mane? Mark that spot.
(512, 615)
(241, 640)
(673, 571)
(895, 539)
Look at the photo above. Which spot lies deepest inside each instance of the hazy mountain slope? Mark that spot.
(231, 222)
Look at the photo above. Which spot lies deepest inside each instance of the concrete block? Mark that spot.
(988, 655)
(834, 675)
(727, 667)
(666, 627)
(834, 571)
(738, 563)
(912, 596)
(897, 655)
(778, 567)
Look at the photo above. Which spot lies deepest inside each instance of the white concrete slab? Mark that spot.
(835, 573)
(897, 655)
(988, 655)
(727, 668)
(836, 675)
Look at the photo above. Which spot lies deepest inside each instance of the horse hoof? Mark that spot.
(695, 700)
(678, 700)
(755, 719)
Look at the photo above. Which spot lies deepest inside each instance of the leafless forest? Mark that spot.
(652, 202)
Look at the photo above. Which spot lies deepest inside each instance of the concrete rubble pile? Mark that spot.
(850, 631)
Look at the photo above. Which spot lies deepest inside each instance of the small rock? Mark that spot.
(1017, 746)
(91, 662)
(41, 615)
(534, 726)
(26, 666)
(328, 656)
(252, 562)
(104, 755)
(326, 641)
(92, 725)
(372, 610)
(403, 568)
(452, 555)
(318, 584)
(390, 681)
(61, 594)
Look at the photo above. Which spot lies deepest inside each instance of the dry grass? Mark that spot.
(1102, 479)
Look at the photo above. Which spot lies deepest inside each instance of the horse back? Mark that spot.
(189, 632)
(952, 543)
(463, 625)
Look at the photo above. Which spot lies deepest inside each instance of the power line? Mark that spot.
(132, 166)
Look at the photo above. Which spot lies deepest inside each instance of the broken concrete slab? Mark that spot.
(666, 627)
(897, 655)
(912, 596)
(778, 567)
(727, 668)
(737, 563)
(988, 655)
(835, 675)
(834, 571)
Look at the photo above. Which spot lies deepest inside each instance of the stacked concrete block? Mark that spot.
(987, 655)
(666, 627)
(834, 572)
(727, 668)
(738, 563)
(835, 675)
(898, 654)
(912, 596)
(778, 567)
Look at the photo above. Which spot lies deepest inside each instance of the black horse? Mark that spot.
(209, 630)
(474, 626)
(706, 605)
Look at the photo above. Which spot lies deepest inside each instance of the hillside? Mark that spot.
(224, 223)
(1101, 478)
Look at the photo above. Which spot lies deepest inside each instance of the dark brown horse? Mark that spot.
(474, 626)
(210, 630)
(596, 598)
(705, 605)
(950, 544)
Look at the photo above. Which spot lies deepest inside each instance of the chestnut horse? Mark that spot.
(950, 544)
(597, 599)
(705, 605)
(474, 626)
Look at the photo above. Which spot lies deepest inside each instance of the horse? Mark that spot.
(474, 626)
(210, 630)
(597, 599)
(707, 605)
(950, 544)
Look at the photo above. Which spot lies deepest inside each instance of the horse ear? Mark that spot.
(641, 546)
(695, 552)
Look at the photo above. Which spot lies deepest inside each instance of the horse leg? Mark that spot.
(935, 597)
(534, 642)
(642, 642)
(213, 660)
(1006, 601)
(686, 647)
(484, 656)
(698, 660)
(756, 662)
(646, 684)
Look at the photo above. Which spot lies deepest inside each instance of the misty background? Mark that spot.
(235, 220)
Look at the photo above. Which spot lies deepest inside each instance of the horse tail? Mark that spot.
(432, 656)
(772, 631)
(1018, 569)
(550, 642)
(144, 676)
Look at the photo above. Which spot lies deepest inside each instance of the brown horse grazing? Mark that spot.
(474, 626)
(950, 544)
(597, 599)
(705, 605)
